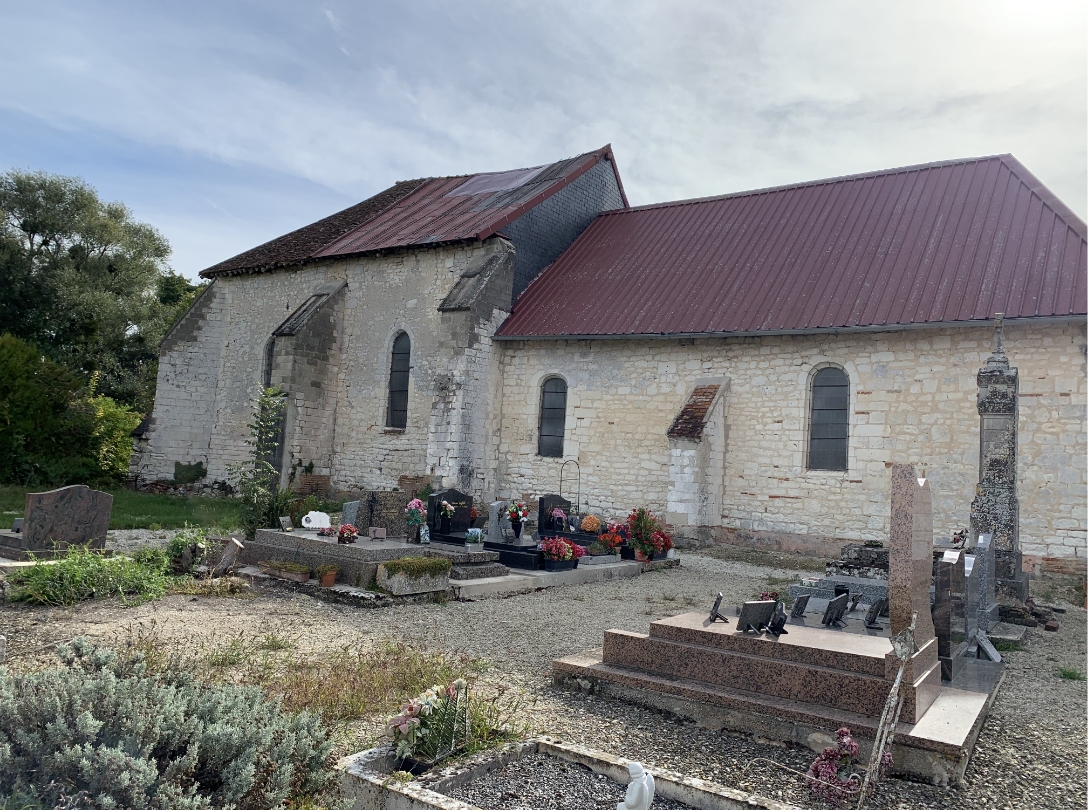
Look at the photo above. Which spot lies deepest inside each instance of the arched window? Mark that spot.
(398, 382)
(553, 417)
(829, 425)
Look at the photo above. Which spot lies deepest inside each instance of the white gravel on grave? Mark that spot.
(125, 541)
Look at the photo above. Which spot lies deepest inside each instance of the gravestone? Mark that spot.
(872, 617)
(350, 513)
(950, 611)
(996, 509)
(462, 511)
(971, 606)
(54, 520)
(800, 604)
(910, 554)
(285, 523)
(544, 511)
(982, 593)
(496, 513)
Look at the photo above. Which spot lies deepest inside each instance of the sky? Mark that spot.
(225, 124)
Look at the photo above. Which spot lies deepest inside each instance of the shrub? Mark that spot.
(105, 727)
(256, 479)
(191, 547)
(416, 567)
(84, 574)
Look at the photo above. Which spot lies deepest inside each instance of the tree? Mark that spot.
(85, 283)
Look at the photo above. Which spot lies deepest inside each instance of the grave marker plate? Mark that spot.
(756, 615)
(462, 510)
(800, 604)
(835, 610)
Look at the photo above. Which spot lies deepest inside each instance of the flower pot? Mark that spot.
(516, 526)
(560, 565)
(328, 580)
(643, 557)
(627, 553)
(444, 524)
(413, 533)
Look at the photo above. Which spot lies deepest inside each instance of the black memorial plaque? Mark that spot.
(835, 610)
(799, 606)
(875, 611)
(462, 511)
(755, 616)
(544, 524)
(716, 612)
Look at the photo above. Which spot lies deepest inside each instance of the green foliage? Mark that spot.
(321, 570)
(85, 283)
(112, 732)
(143, 510)
(1070, 674)
(83, 574)
(191, 547)
(189, 473)
(53, 431)
(416, 567)
(1003, 645)
(255, 479)
(286, 566)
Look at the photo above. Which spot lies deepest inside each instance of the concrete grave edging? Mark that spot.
(364, 786)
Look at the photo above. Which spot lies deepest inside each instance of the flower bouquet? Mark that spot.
(326, 531)
(431, 727)
(560, 554)
(415, 514)
(445, 514)
(646, 534)
(559, 519)
(518, 512)
(347, 534)
(591, 524)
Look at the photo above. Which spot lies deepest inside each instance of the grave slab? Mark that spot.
(54, 520)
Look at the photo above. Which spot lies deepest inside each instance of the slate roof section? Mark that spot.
(691, 420)
(939, 243)
(437, 210)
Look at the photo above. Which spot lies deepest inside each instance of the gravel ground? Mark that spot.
(541, 782)
(1031, 752)
(128, 540)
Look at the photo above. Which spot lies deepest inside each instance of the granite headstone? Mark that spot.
(462, 510)
(985, 583)
(910, 553)
(496, 514)
(950, 612)
(350, 513)
(75, 515)
(544, 512)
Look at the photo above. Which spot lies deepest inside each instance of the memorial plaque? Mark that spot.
(986, 583)
(875, 610)
(835, 610)
(755, 616)
(800, 605)
(715, 612)
(285, 523)
(777, 626)
(75, 515)
(350, 513)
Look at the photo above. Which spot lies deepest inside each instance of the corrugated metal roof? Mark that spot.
(937, 243)
(419, 212)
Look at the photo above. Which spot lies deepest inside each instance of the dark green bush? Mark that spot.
(105, 728)
(416, 567)
(84, 574)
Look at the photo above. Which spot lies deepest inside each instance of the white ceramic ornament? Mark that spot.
(316, 520)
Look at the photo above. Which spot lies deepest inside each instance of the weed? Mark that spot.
(274, 643)
(1002, 645)
(1070, 674)
(84, 574)
(230, 656)
(220, 586)
(416, 567)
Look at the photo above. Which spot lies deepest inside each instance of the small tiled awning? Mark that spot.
(691, 420)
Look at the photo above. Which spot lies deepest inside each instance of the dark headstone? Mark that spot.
(462, 510)
(950, 611)
(76, 515)
(799, 606)
(755, 616)
(350, 513)
(777, 626)
(982, 593)
(1051, 625)
(285, 523)
(835, 610)
(544, 512)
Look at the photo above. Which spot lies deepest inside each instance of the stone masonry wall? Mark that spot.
(912, 400)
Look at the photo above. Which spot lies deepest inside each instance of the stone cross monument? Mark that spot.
(995, 509)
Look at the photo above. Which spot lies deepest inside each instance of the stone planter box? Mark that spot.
(400, 584)
(290, 576)
(599, 559)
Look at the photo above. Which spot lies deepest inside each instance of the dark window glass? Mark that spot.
(398, 382)
(269, 360)
(553, 417)
(829, 425)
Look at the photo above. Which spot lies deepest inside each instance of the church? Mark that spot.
(749, 366)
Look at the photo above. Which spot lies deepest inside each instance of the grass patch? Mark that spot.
(1070, 674)
(417, 567)
(83, 574)
(1002, 645)
(220, 586)
(141, 510)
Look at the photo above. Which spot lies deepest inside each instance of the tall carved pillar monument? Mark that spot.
(995, 509)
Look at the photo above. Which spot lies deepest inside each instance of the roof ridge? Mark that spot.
(1048, 197)
(821, 182)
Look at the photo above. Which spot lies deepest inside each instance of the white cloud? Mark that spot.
(697, 98)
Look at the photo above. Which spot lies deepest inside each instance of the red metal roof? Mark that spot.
(420, 212)
(937, 243)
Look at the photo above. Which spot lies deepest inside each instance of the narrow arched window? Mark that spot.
(829, 425)
(553, 417)
(398, 382)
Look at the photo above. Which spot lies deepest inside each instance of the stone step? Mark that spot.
(850, 691)
(481, 570)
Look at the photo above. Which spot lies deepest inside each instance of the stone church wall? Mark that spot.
(912, 400)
